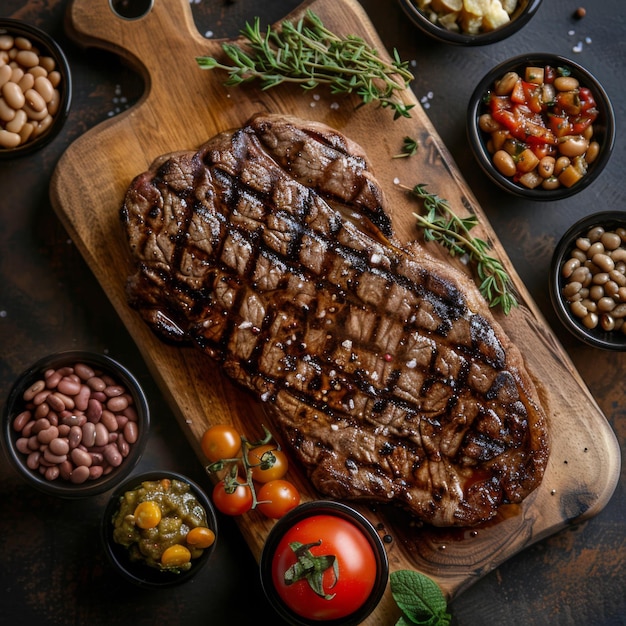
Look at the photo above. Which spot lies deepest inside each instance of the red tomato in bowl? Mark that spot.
(347, 579)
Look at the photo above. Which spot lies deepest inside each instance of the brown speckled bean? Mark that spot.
(32, 460)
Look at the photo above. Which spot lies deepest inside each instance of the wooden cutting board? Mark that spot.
(184, 106)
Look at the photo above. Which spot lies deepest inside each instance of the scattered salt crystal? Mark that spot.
(334, 106)
(334, 427)
(3, 314)
(375, 258)
(578, 47)
(208, 34)
(347, 344)
(265, 396)
(396, 181)
(245, 325)
(412, 364)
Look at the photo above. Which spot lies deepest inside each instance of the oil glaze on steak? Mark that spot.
(269, 249)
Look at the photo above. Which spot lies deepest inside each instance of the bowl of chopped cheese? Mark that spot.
(469, 22)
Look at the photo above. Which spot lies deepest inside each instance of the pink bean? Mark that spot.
(94, 410)
(81, 399)
(88, 434)
(96, 383)
(75, 436)
(48, 434)
(117, 404)
(79, 474)
(21, 420)
(34, 389)
(131, 432)
(68, 386)
(83, 371)
(108, 419)
(112, 455)
(59, 446)
(80, 457)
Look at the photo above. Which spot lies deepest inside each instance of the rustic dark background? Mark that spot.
(52, 570)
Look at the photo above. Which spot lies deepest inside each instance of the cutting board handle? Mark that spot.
(151, 42)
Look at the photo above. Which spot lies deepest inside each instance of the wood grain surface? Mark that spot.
(182, 107)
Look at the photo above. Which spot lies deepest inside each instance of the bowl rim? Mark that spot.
(479, 148)
(443, 35)
(139, 573)
(598, 339)
(66, 489)
(15, 26)
(343, 511)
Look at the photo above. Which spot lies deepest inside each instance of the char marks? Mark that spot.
(269, 248)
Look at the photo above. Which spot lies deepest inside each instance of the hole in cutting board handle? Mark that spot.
(131, 9)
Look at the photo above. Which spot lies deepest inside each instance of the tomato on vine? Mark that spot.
(267, 462)
(221, 442)
(277, 497)
(232, 497)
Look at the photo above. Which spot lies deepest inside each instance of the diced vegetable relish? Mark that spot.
(540, 127)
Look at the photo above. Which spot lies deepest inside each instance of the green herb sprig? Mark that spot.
(442, 225)
(419, 598)
(409, 148)
(309, 54)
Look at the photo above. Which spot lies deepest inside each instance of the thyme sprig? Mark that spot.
(453, 232)
(309, 54)
(410, 147)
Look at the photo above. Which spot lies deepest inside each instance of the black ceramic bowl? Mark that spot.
(45, 128)
(138, 572)
(32, 463)
(603, 126)
(597, 337)
(297, 516)
(432, 27)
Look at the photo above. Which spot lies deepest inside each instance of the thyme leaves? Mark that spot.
(309, 54)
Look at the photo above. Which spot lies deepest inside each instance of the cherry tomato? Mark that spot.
(236, 503)
(277, 497)
(267, 463)
(346, 588)
(221, 442)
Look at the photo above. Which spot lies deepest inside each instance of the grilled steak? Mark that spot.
(270, 250)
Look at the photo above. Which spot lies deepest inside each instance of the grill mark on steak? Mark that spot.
(269, 249)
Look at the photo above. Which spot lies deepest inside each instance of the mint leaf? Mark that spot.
(419, 598)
